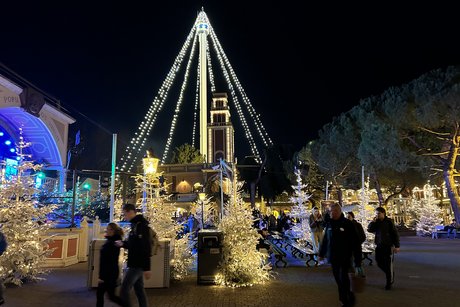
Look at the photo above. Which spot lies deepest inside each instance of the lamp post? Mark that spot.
(201, 198)
(150, 166)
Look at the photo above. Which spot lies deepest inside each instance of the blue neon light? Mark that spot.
(8, 142)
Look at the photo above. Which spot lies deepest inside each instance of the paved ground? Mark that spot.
(427, 274)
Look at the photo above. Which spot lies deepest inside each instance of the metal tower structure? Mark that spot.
(202, 37)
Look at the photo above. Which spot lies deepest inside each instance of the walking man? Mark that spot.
(340, 243)
(139, 251)
(386, 241)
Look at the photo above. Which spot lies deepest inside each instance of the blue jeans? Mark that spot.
(133, 278)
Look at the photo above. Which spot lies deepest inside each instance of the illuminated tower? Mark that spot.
(220, 129)
(203, 31)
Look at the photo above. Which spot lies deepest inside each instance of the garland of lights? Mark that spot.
(179, 102)
(197, 99)
(259, 126)
(145, 127)
(247, 132)
(211, 75)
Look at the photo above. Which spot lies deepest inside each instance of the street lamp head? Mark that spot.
(201, 196)
(150, 165)
(150, 162)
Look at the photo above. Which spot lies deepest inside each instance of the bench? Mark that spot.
(439, 231)
(300, 251)
(278, 253)
(277, 240)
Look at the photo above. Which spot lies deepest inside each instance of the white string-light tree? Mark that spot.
(428, 212)
(301, 229)
(24, 224)
(160, 215)
(364, 216)
(242, 264)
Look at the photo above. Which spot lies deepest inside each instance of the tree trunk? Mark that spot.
(449, 171)
(378, 189)
(340, 196)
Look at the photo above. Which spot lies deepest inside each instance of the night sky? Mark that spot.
(107, 61)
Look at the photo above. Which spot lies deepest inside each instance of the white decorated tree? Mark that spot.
(301, 228)
(24, 224)
(242, 264)
(428, 213)
(364, 216)
(160, 215)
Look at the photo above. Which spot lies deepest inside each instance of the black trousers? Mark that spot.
(383, 258)
(108, 287)
(340, 271)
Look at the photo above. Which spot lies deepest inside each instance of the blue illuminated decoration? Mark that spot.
(44, 147)
(6, 148)
(11, 168)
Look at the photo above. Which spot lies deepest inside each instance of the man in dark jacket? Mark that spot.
(386, 241)
(340, 243)
(139, 251)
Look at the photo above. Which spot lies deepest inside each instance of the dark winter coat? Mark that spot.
(360, 230)
(340, 243)
(108, 267)
(385, 232)
(138, 244)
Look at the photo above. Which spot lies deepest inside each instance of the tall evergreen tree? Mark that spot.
(301, 228)
(241, 264)
(24, 224)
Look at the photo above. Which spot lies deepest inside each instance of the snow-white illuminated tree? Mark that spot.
(24, 223)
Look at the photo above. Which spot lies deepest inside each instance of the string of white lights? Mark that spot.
(179, 101)
(210, 72)
(254, 115)
(239, 110)
(137, 143)
(197, 99)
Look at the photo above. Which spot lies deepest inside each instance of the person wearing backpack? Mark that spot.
(139, 249)
(3, 245)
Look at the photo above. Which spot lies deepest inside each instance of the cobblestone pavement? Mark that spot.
(426, 275)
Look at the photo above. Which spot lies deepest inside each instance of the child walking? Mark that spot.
(108, 268)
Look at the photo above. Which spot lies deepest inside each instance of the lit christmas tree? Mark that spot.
(160, 215)
(209, 212)
(118, 210)
(428, 213)
(365, 216)
(24, 223)
(242, 264)
(301, 229)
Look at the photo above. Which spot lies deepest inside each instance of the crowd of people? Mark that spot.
(335, 238)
